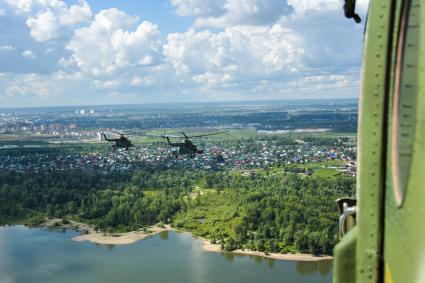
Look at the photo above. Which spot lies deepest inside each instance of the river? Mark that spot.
(34, 255)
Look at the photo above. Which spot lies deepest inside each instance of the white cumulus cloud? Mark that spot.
(34, 6)
(223, 13)
(21, 5)
(29, 54)
(24, 85)
(237, 53)
(48, 19)
(109, 44)
(199, 8)
(233, 49)
(76, 14)
(44, 27)
(302, 7)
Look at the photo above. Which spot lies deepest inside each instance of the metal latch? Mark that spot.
(347, 214)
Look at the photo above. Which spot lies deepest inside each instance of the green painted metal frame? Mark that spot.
(372, 140)
(404, 242)
(345, 258)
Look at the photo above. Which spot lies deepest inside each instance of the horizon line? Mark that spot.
(178, 102)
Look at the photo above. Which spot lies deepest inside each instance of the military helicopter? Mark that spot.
(121, 142)
(186, 146)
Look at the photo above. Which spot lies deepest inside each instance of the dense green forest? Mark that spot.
(269, 212)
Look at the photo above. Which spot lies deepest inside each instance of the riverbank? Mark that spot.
(120, 238)
(48, 256)
(90, 235)
(207, 246)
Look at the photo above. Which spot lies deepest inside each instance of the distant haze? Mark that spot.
(175, 106)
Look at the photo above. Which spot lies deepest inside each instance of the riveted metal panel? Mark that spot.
(372, 140)
(345, 258)
(404, 244)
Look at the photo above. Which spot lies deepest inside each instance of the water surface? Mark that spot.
(42, 256)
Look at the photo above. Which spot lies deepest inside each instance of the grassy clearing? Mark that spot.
(212, 216)
(326, 173)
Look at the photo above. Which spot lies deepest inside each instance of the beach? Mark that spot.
(103, 238)
(89, 234)
(49, 256)
(207, 246)
(120, 238)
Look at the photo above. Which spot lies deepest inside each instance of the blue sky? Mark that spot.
(55, 52)
(157, 11)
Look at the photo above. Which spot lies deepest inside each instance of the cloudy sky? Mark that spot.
(60, 52)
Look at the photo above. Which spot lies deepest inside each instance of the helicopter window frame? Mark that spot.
(399, 182)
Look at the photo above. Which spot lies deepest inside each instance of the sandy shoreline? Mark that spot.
(207, 246)
(119, 238)
(90, 235)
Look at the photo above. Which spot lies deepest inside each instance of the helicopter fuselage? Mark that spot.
(185, 147)
(121, 142)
